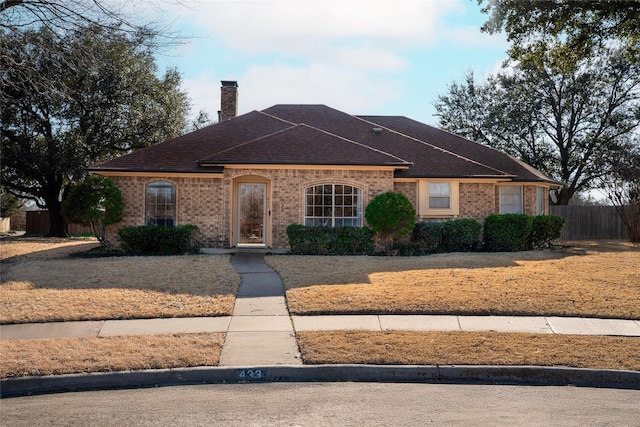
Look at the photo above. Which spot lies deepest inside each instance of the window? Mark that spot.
(439, 195)
(160, 204)
(540, 196)
(333, 205)
(511, 199)
(438, 199)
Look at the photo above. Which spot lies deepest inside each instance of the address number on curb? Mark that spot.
(251, 374)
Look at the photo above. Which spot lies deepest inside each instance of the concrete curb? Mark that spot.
(489, 375)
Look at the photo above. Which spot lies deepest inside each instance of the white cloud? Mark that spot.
(262, 86)
(317, 83)
(204, 93)
(300, 27)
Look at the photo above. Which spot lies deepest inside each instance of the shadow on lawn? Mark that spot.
(331, 270)
(77, 267)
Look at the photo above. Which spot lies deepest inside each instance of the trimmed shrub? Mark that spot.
(305, 240)
(425, 238)
(159, 240)
(391, 215)
(507, 232)
(459, 235)
(545, 230)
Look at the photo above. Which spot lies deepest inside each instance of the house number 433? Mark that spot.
(251, 374)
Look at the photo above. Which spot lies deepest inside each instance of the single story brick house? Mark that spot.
(245, 179)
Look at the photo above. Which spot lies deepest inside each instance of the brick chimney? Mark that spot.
(228, 100)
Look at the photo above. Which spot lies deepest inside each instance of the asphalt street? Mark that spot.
(329, 404)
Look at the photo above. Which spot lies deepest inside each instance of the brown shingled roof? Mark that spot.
(320, 135)
(182, 154)
(304, 145)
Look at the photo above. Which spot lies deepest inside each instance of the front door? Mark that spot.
(252, 200)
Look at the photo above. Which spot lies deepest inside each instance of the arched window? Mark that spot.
(160, 206)
(333, 205)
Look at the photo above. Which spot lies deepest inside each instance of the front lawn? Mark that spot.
(585, 279)
(41, 282)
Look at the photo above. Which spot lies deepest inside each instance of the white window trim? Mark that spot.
(423, 199)
(360, 210)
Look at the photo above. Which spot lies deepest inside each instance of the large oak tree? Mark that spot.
(583, 27)
(572, 122)
(87, 113)
(66, 16)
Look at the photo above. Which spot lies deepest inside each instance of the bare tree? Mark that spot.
(623, 189)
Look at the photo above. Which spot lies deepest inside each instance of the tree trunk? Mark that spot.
(57, 226)
(563, 195)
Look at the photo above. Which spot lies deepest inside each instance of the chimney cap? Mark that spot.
(229, 83)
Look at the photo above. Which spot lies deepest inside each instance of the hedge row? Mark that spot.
(502, 233)
(159, 239)
(330, 240)
(519, 232)
(458, 235)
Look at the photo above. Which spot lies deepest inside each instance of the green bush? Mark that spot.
(545, 230)
(305, 240)
(459, 235)
(391, 215)
(507, 232)
(159, 240)
(95, 201)
(425, 238)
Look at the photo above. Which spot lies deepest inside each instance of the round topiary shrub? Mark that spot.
(391, 215)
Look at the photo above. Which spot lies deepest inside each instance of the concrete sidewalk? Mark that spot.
(261, 331)
(284, 323)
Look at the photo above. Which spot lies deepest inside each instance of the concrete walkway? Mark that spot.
(262, 333)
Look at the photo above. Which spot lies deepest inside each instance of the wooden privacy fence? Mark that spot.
(590, 222)
(38, 223)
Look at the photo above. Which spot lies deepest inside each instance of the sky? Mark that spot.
(364, 57)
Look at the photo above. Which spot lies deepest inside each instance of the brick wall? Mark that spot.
(207, 202)
(477, 201)
(410, 190)
(199, 201)
(288, 186)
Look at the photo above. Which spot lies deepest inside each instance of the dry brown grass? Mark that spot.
(41, 283)
(469, 348)
(588, 279)
(75, 355)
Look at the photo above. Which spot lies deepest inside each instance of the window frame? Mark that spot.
(502, 205)
(320, 205)
(424, 197)
(155, 218)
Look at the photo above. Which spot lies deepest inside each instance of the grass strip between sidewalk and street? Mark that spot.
(40, 357)
(469, 348)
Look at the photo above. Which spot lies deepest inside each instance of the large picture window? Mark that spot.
(333, 205)
(160, 204)
(511, 199)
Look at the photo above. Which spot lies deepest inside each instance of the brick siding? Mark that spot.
(208, 202)
(477, 200)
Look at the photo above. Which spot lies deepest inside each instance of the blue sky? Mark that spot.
(362, 57)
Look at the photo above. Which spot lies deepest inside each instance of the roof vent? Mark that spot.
(377, 130)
